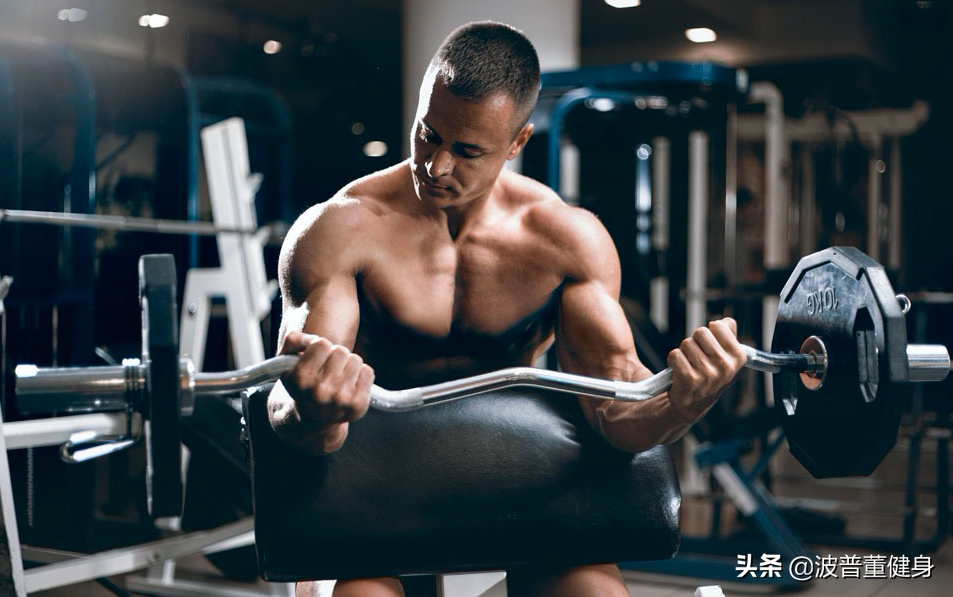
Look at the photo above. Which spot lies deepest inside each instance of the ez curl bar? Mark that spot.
(840, 359)
(112, 388)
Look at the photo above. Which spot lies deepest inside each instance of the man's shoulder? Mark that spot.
(331, 219)
(582, 241)
(354, 206)
(545, 212)
(376, 192)
(334, 234)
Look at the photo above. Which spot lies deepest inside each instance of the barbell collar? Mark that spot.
(814, 380)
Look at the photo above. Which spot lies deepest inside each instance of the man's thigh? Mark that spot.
(365, 587)
(603, 580)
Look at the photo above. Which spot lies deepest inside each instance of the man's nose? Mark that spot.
(440, 164)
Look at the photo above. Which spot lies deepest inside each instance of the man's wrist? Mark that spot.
(679, 417)
(333, 438)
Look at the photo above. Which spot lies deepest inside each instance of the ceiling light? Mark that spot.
(601, 104)
(623, 3)
(700, 35)
(73, 15)
(375, 149)
(153, 21)
(271, 47)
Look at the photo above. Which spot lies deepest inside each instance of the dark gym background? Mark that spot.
(335, 85)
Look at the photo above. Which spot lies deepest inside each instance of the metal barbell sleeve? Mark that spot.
(79, 389)
(928, 362)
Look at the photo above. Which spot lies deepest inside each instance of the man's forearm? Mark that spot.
(638, 426)
(629, 426)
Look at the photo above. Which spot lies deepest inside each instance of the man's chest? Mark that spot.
(485, 284)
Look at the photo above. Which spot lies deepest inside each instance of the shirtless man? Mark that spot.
(447, 265)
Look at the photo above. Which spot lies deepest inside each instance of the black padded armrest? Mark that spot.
(502, 480)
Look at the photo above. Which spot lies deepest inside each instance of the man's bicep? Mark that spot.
(318, 273)
(330, 310)
(593, 336)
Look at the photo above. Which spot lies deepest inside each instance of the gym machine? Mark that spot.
(241, 278)
(111, 431)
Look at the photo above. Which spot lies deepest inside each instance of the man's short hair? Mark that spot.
(481, 60)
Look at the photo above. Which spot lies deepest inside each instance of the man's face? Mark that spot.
(458, 147)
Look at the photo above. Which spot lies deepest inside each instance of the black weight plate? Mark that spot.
(848, 425)
(160, 350)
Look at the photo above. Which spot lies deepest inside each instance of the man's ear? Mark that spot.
(519, 142)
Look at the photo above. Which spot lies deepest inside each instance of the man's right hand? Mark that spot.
(329, 386)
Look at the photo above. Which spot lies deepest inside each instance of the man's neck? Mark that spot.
(460, 219)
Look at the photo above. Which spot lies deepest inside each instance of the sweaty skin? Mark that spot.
(446, 265)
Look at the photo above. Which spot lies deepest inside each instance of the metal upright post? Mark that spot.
(807, 202)
(658, 286)
(15, 584)
(731, 199)
(696, 279)
(5, 283)
(775, 203)
(8, 521)
(874, 202)
(895, 211)
(696, 282)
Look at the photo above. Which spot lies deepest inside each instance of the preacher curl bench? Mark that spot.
(513, 478)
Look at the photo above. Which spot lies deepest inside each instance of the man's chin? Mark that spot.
(440, 198)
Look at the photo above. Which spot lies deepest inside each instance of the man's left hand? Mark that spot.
(704, 365)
